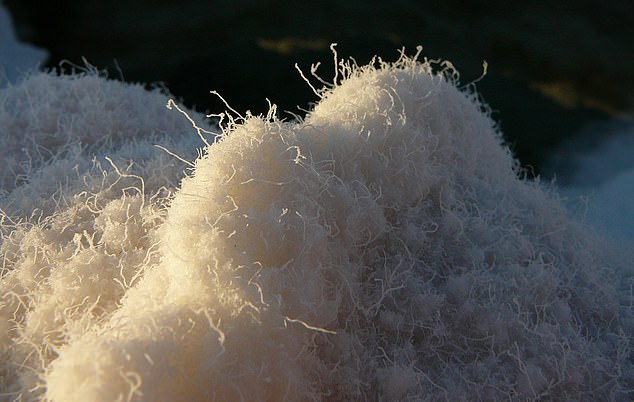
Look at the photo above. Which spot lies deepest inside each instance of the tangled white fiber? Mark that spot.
(385, 247)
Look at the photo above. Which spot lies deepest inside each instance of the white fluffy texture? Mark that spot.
(381, 249)
(16, 58)
(77, 229)
(52, 124)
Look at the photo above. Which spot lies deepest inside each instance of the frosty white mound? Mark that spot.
(51, 127)
(66, 264)
(381, 249)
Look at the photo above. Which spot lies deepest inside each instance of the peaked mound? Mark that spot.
(384, 247)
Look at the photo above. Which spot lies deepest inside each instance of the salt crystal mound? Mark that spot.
(52, 125)
(383, 248)
(83, 186)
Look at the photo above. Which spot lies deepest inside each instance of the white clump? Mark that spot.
(52, 124)
(382, 248)
(81, 194)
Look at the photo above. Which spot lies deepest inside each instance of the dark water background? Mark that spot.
(553, 67)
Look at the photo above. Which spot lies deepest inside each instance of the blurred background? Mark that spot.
(560, 75)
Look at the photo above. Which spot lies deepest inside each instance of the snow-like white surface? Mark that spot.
(383, 247)
(53, 125)
(16, 58)
(85, 188)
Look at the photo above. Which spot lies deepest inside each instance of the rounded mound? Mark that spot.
(383, 248)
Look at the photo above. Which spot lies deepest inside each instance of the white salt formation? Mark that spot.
(383, 248)
(76, 215)
(52, 125)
